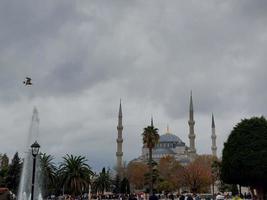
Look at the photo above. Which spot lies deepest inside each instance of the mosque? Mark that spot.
(169, 144)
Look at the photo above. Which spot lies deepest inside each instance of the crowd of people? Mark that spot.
(143, 196)
(5, 195)
(229, 196)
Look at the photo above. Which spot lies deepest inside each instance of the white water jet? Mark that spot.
(40, 197)
(26, 175)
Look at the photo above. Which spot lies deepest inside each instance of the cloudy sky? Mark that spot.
(84, 56)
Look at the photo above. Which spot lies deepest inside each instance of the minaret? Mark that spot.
(191, 123)
(152, 124)
(168, 129)
(119, 152)
(213, 137)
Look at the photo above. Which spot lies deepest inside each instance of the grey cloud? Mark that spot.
(85, 56)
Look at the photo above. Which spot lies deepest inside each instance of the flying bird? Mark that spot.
(27, 81)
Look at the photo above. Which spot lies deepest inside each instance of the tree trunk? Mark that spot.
(89, 192)
(150, 172)
(213, 195)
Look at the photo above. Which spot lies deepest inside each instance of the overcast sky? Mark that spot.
(84, 56)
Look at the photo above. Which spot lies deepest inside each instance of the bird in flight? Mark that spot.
(27, 81)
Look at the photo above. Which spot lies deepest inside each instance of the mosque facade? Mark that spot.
(170, 144)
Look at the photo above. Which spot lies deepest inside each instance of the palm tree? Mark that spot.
(48, 170)
(102, 182)
(150, 139)
(75, 174)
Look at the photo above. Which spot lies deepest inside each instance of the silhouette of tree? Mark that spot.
(117, 185)
(13, 173)
(3, 169)
(155, 176)
(75, 174)
(150, 139)
(244, 159)
(125, 186)
(48, 170)
(102, 182)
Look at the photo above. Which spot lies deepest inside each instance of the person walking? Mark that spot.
(182, 197)
(153, 197)
(189, 197)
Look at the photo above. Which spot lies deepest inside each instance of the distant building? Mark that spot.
(169, 143)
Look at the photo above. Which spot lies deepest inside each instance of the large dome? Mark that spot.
(168, 137)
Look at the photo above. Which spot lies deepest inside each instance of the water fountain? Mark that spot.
(26, 176)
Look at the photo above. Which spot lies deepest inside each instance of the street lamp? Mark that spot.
(35, 149)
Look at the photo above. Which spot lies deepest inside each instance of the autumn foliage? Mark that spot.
(136, 174)
(194, 177)
(170, 170)
(198, 174)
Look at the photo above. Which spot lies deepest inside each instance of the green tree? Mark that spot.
(13, 173)
(150, 139)
(102, 182)
(155, 176)
(75, 174)
(48, 170)
(165, 186)
(117, 185)
(224, 187)
(125, 186)
(4, 161)
(244, 159)
(3, 169)
(216, 176)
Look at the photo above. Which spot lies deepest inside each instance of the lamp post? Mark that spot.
(35, 149)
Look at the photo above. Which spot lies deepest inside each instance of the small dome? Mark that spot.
(168, 137)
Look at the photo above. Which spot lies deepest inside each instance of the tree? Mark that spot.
(135, 174)
(165, 166)
(150, 139)
(102, 182)
(216, 178)
(13, 173)
(4, 161)
(170, 171)
(117, 184)
(125, 186)
(165, 186)
(3, 169)
(197, 175)
(48, 170)
(154, 175)
(75, 174)
(244, 159)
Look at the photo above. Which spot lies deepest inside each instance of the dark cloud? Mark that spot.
(83, 57)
